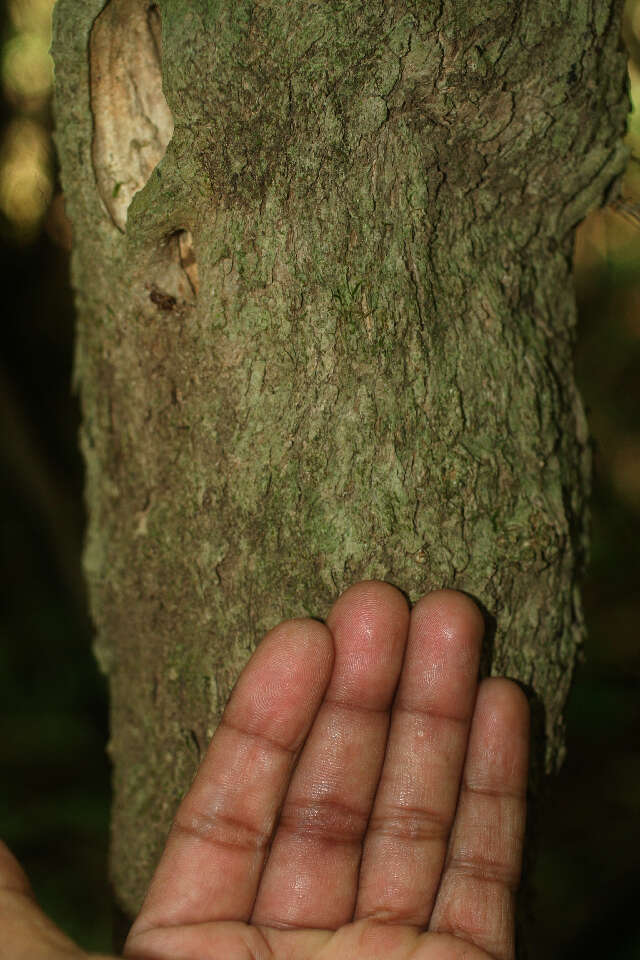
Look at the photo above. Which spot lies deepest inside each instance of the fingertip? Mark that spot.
(453, 609)
(302, 634)
(506, 702)
(367, 598)
(500, 735)
(452, 625)
(284, 681)
(302, 648)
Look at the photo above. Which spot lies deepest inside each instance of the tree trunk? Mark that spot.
(325, 329)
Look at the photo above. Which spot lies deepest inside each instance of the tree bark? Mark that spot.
(325, 326)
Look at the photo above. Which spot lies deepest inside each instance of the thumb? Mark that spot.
(12, 876)
(27, 933)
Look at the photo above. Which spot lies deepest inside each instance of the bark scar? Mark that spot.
(132, 122)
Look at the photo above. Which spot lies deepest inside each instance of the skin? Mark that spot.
(362, 799)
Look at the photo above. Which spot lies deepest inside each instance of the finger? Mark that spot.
(415, 803)
(310, 879)
(26, 931)
(13, 879)
(211, 866)
(476, 900)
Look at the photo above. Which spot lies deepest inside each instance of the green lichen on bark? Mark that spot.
(375, 378)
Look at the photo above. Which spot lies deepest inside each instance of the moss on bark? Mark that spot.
(374, 379)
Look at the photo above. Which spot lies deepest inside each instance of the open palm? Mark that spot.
(362, 799)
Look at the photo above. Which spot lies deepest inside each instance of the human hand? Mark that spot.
(362, 799)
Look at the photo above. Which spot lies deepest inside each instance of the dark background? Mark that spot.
(54, 774)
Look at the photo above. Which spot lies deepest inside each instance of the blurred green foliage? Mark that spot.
(588, 870)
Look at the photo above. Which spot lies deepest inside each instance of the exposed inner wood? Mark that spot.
(132, 122)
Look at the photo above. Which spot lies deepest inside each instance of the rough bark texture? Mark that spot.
(374, 377)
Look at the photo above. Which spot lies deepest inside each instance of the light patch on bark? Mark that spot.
(132, 120)
(188, 258)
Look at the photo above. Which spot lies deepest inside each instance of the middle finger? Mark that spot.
(311, 876)
(415, 803)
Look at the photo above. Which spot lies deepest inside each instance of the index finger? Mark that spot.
(212, 863)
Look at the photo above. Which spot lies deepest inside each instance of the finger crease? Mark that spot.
(277, 924)
(259, 738)
(356, 707)
(223, 830)
(430, 714)
(486, 871)
(329, 819)
(492, 792)
(412, 823)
